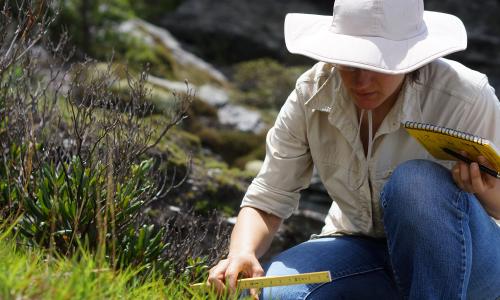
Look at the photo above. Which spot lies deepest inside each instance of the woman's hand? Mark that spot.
(227, 271)
(250, 239)
(469, 178)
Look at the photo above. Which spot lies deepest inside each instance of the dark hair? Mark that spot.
(413, 76)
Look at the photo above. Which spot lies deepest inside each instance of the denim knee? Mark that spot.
(418, 191)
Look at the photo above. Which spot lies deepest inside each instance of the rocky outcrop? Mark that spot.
(184, 61)
(212, 87)
(228, 31)
(230, 116)
(208, 93)
(483, 30)
(241, 118)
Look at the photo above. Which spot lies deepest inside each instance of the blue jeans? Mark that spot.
(440, 244)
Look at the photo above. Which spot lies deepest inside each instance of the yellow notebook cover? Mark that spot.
(435, 138)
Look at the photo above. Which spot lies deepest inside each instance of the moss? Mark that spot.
(179, 145)
(140, 55)
(230, 144)
(161, 60)
(137, 54)
(211, 163)
(187, 71)
(258, 153)
(201, 108)
(163, 100)
(265, 83)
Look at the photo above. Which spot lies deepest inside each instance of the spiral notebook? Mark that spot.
(436, 139)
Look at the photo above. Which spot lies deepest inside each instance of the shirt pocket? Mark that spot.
(333, 153)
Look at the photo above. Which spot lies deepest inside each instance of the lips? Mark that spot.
(363, 94)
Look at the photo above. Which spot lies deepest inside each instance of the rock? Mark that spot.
(213, 95)
(185, 60)
(483, 31)
(208, 93)
(236, 30)
(170, 85)
(241, 118)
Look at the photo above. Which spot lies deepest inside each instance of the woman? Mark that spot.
(401, 224)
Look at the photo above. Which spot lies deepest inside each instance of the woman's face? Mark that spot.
(371, 90)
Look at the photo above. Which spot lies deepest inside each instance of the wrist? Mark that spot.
(240, 253)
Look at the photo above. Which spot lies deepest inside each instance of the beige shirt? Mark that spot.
(318, 125)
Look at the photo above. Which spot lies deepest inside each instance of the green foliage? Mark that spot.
(140, 54)
(135, 53)
(144, 247)
(70, 203)
(32, 274)
(79, 179)
(89, 22)
(9, 192)
(265, 83)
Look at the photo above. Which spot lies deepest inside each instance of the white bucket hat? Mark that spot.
(387, 36)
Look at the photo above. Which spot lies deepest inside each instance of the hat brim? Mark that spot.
(310, 35)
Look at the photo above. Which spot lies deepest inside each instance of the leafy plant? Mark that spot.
(69, 204)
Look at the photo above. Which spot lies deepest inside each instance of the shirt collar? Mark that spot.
(330, 97)
(324, 97)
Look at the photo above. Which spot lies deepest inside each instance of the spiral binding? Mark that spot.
(446, 131)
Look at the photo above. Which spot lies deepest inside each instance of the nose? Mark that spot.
(362, 78)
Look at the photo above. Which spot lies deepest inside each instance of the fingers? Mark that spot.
(489, 180)
(476, 179)
(465, 176)
(469, 178)
(247, 265)
(223, 276)
(257, 272)
(216, 276)
(231, 276)
(455, 173)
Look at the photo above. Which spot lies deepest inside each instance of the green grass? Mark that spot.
(27, 273)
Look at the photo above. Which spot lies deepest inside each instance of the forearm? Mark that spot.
(490, 200)
(253, 232)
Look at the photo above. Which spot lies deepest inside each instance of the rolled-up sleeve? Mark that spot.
(287, 168)
(483, 116)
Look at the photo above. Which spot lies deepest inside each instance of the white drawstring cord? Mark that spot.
(355, 148)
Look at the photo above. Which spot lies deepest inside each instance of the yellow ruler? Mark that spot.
(260, 282)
